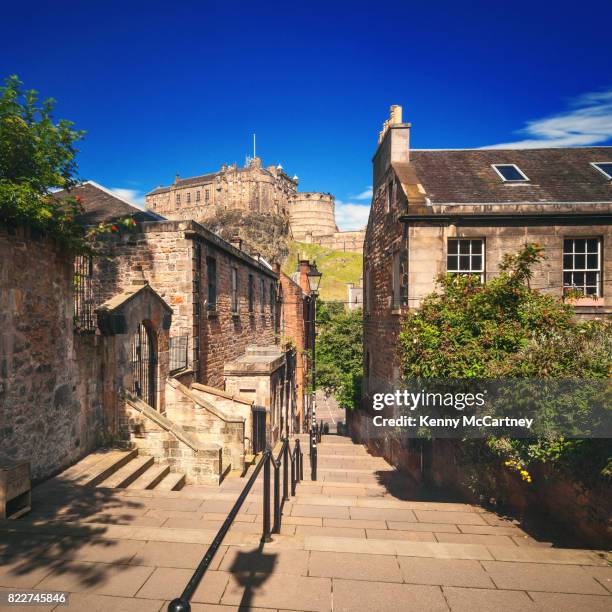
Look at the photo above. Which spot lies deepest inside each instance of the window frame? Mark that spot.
(525, 178)
(251, 293)
(262, 290)
(197, 196)
(598, 271)
(235, 298)
(601, 170)
(188, 198)
(482, 272)
(178, 199)
(211, 278)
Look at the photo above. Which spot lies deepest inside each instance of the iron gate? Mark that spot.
(144, 361)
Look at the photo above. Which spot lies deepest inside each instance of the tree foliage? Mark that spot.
(38, 157)
(505, 329)
(339, 353)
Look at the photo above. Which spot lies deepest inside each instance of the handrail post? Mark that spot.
(276, 527)
(294, 469)
(286, 471)
(266, 537)
(179, 605)
(313, 457)
(298, 459)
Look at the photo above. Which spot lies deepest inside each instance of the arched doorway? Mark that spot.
(144, 364)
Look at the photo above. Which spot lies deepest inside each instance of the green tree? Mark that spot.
(38, 157)
(505, 329)
(339, 353)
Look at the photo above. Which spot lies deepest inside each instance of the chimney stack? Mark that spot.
(177, 178)
(304, 269)
(393, 143)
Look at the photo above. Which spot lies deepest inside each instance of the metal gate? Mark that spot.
(144, 361)
(259, 429)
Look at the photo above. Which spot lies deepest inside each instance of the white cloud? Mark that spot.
(351, 216)
(366, 194)
(133, 196)
(587, 122)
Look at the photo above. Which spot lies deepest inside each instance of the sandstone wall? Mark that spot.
(312, 214)
(172, 256)
(50, 379)
(350, 242)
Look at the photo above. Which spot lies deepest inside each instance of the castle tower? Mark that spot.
(311, 215)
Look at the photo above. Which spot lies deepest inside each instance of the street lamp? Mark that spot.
(314, 279)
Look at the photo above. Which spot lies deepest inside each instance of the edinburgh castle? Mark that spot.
(237, 201)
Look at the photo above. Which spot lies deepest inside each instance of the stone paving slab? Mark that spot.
(474, 538)
(101, 578)
(168, 583)
(445, 572)
(388, 534)
(320, 511)
(488, 600)
(278, 591)
(541, 577)
(266, 561)
(413, 526)
(561, 602)
(349, 566)
(353, 595)
(540, 555)
(87, 602)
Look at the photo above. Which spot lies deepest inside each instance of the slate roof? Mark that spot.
(556, 175)
(102, 206)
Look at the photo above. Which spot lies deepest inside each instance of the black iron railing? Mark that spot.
(285, 458)
(316, 431)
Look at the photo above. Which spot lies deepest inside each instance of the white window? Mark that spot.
(510, 173)
(466, 256)
(604, 167)
(582, 266)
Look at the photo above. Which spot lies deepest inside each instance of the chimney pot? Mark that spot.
(177, 178)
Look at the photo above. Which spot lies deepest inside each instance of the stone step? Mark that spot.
(101, 470)
(151, 477)
(107, 534)
(174, 481)
(128, 473)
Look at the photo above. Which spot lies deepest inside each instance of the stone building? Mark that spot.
(168, 343)
(252, 188)
(255, 190)
(459, 211)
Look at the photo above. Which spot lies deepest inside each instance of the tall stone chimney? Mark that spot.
(393, 144)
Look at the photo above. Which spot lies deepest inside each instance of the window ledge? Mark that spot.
(212, 314)
(585, 302)
(397, 311)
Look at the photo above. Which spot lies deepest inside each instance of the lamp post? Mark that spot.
(314, 280)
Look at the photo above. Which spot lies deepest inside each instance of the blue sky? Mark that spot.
(180, 87)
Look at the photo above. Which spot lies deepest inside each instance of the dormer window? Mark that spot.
(510, 173)
(604, 167)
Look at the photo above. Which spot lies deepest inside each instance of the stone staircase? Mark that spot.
(348, 541)
(116, 469)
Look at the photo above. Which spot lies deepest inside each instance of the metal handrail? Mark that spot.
(181, 604)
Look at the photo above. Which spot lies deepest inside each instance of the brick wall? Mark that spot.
(294, 315)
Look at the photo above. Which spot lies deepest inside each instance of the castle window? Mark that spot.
(178, 199)
(235, 290)
(188, 197)
(206, 195)
(388, 195)
(251, 293)
(262, 295)
(510, 173)
(211, 273)
(400, 280)
(272, 302)
(197, 196)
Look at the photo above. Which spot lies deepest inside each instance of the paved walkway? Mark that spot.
(347, 543)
